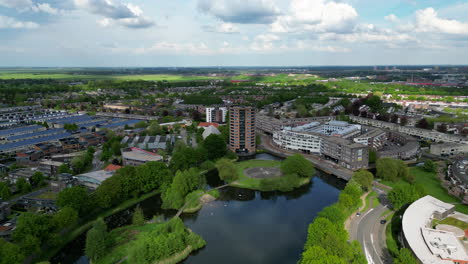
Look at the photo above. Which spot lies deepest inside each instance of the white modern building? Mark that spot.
(216, 114)
(429, 245)
(300, 141)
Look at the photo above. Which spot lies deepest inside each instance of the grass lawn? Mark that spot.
(453, 222)
(250, 183)
(47, 196)
(432, 186)
(255, 184)
(370, 201)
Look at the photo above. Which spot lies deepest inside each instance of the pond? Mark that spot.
(243, 226)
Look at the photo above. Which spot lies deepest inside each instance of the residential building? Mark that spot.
(330, 140)
(373, 137)
(216, 114)
(269, 125)
(17, 174)
(412, 131)
(135, 156)
(242, 134)
(448, 149)
(4, 210)
(400, 146)
(149, 142)
(349, 155)
(63, 181)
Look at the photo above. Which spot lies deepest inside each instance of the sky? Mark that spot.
(194, 33)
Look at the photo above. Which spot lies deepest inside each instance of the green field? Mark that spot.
(65, 76)
(432, 186)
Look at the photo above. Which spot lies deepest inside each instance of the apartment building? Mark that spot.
(216, 114)
(242, 134)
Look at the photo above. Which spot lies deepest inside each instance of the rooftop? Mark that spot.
(140, 155)
(430, 246)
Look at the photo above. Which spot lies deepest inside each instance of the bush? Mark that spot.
(284, 183)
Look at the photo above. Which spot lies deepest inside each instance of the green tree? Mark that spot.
(318, 255)
(405, 257)
(402, 195)
(364, 178)
(64, 168)
(297, 164)
(23, 186)
(37, 179)
(5, 192)
(31, 231)
(333, 213)
(65, 217)
(141, 124)
(430, 166)
(215, 146)
(10, 253)
(138, 217)
(75, 197)
(227, 170)
(70, 127)
(97, 241)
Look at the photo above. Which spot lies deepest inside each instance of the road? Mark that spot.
(370, 233)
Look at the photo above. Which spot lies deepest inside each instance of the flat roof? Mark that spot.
(416, 220)
(140, 155)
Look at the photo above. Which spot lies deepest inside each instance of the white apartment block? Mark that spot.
(216, 114)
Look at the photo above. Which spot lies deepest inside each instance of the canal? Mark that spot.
(243, 226)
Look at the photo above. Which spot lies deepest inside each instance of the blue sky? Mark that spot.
(155, 33)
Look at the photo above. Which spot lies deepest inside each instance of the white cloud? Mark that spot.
(128, 15)
(392, 18)
(427, 20)
(240, 11)
(46, 8)
(28, 5)
(9, 22)
(227, 28)
(316, 16)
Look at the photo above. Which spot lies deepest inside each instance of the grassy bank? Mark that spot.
(169, 242)
(193, 201)
(85, 224)
(432, 186)
(283, 183)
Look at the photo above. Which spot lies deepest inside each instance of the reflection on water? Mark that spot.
(243, 226)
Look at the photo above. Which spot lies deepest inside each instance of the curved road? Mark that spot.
(370, 233)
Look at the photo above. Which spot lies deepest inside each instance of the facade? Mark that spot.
(298, 141)
(349, 155)
(329, 140)
(456, 181)
(449, 149)
(400, 146)
(149, 142)
(269, 125)
(63, 181)
(430, 245)
(216, 114)
(412, 131)
(135, 156)
(372, 137)
(242, 134)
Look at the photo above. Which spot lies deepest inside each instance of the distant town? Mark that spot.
(88, 154)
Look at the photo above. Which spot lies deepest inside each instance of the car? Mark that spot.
(358, 214)
(383, 221)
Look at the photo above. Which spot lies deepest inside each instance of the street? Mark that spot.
(370, 233)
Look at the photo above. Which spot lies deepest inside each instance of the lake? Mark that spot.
(243, 226)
